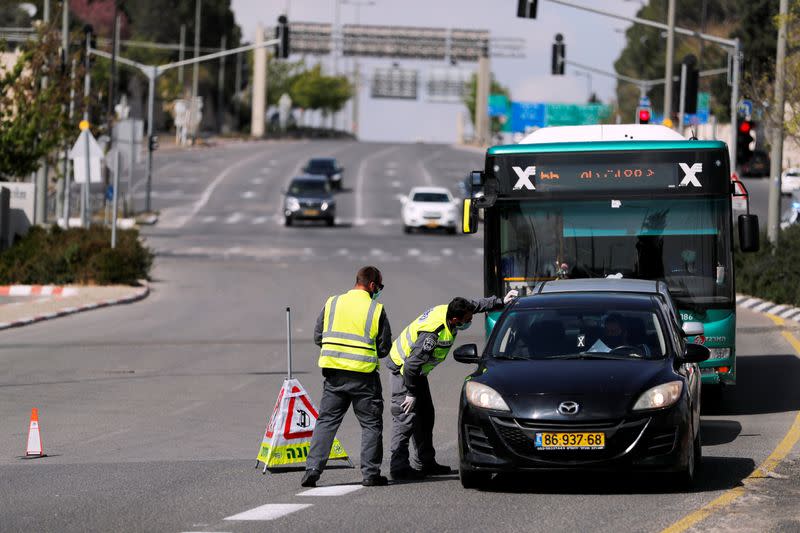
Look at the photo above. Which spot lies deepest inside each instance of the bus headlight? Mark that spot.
(485, 397)
(659, 396)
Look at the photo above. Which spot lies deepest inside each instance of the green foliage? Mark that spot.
(312, 89)
(281, 75)
(76, 255)
(472, 94)
(33, 118)
(772, 274)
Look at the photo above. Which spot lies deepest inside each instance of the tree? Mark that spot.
(281, 75)
(471, 95)
(34, 119)
(312, 89)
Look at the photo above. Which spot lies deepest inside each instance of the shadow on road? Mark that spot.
(715, 432)
(764, 384)
(717, 473)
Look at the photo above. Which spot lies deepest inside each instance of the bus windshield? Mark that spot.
(682, 241)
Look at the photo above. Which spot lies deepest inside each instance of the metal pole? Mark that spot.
(289, 342)
(46, 13)
(670, 59)
(259, 84)
(181, 52)
(356, 92)
(196, 71)
(734, 101)
(115, 200)
(221, 86)
(87, 84)
(682, 102)
(776, 157)
(336, 35)
(61, 194)
(236, 96)
(66, 154)
(128, 195)
(112, 79)
(151, 89)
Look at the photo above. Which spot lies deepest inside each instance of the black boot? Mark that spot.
(310, 478)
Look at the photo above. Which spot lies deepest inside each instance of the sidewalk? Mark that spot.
(74, 300)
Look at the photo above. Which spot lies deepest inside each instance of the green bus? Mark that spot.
(633, 201)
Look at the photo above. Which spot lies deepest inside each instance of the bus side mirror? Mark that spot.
(470, 217)
(476, 179)
(748, 233)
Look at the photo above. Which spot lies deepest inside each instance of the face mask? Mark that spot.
(376, 294)
(465, 325)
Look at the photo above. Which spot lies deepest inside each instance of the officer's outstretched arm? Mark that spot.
(487, 304)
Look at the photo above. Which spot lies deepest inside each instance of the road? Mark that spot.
(152, 413)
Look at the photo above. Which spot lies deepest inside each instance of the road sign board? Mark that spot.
(644, 101)
(745, 107)
(86, 144)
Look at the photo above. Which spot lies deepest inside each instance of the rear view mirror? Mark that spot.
(467, 353)
(695, 353)
(470, 217)
(692, 329)
(748, 233)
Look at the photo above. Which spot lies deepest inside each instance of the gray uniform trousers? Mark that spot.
(416, 425)
(340, 389)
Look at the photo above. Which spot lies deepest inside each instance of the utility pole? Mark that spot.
(62, 192)
(221, 86)
(670, 59)
(181, 51)
(112, 82)
(259, 98)
(776, 157)
(41, 176)
(482, 128)
(196, 71)
(87, 85)
(237, 97)
(682, 101)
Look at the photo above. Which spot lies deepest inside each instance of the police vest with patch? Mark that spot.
(350, 327)
(431, 321)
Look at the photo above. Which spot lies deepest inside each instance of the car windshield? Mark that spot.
(579, 333)
(433, 197)
(321, 164)
(301, 187)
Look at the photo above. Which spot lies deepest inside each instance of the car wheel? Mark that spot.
(470, 479)
(329, 222)
(685, 479)
(406, 229)
(288, 221)
(451, 231)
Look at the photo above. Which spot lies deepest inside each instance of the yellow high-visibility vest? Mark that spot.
(432, 320)
(350, 327)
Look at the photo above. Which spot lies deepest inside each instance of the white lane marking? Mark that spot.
(414, 252)
(479, 251)
(185, 409)
(335, 490)
(143, 181)
(248, 194)
(208, 219)
(106, 435)
(376, 251)
(391, 164)
(447, 251)
(397, 184)
(387, 222)
(257, 181)
(260, 220)
(233, 251)
(391, 172)
(234, 218)
(342, 251)
(308, 251)
(270, 511)
(209, 190)
(360, 183)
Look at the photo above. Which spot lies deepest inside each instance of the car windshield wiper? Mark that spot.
(512, 357)
(588, 355)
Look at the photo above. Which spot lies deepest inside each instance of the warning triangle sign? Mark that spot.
(287, 437)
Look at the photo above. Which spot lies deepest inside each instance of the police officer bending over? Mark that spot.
(417, 350)
(353, 333)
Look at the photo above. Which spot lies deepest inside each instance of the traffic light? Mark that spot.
(152, 143)
(745, 140)
(643, 115)
(692, 84)
(282, 33)
(559, 56)
(526, 9)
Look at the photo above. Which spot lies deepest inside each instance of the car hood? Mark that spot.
(604, 389)
(312, 197)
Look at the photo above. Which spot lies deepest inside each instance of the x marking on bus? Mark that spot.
(524, 178)
(689, 174)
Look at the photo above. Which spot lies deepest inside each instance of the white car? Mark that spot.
(790, 180)
(430, 207)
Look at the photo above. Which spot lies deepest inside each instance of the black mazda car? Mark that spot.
(585, 375)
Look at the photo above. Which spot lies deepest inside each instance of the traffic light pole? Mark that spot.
(776, 157)
(152, 72)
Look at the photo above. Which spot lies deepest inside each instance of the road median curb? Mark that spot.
(787, 312)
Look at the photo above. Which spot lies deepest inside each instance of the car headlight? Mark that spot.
(326, 205)
(485, 397)
(292, 204)
(659, 396)
(337, 176)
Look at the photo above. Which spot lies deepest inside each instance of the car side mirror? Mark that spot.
(691, 329)
(468, 353)
(340, 169)
(469, 217)
(695, 353)
(748, 233)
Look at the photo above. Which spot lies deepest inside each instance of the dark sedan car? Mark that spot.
(328, 167)
(309, 198)
(595, 379)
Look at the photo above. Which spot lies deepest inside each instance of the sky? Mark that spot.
(590, 39)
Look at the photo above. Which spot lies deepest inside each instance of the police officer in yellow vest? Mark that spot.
(424, 344)
(353, 333)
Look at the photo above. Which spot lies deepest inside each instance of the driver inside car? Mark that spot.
(616, 335)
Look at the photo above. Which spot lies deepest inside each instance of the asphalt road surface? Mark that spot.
(152, 413)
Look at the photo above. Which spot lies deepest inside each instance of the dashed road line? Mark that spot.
(270, 511)
(259, 220)
(247, 195)
(208, 219)
(234, 218)
(334, 490)
(360, 181)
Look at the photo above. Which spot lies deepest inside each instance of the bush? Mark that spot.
(75, 255)
(772, 274)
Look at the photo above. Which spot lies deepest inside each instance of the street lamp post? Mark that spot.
(356, 69)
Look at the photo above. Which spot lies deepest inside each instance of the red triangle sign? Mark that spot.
(300, 420)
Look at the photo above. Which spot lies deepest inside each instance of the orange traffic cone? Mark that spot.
(34, 438)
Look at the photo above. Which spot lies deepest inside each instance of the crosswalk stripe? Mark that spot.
(270, 511)
(335, 490)
(209, 219)
(260, 220)
(234, 218)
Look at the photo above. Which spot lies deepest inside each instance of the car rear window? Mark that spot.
(430, 197)
(321, 164)
(309, 187)
(566, 332)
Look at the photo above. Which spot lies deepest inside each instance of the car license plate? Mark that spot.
(432, 224)
(570, 441)
(311, 212)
